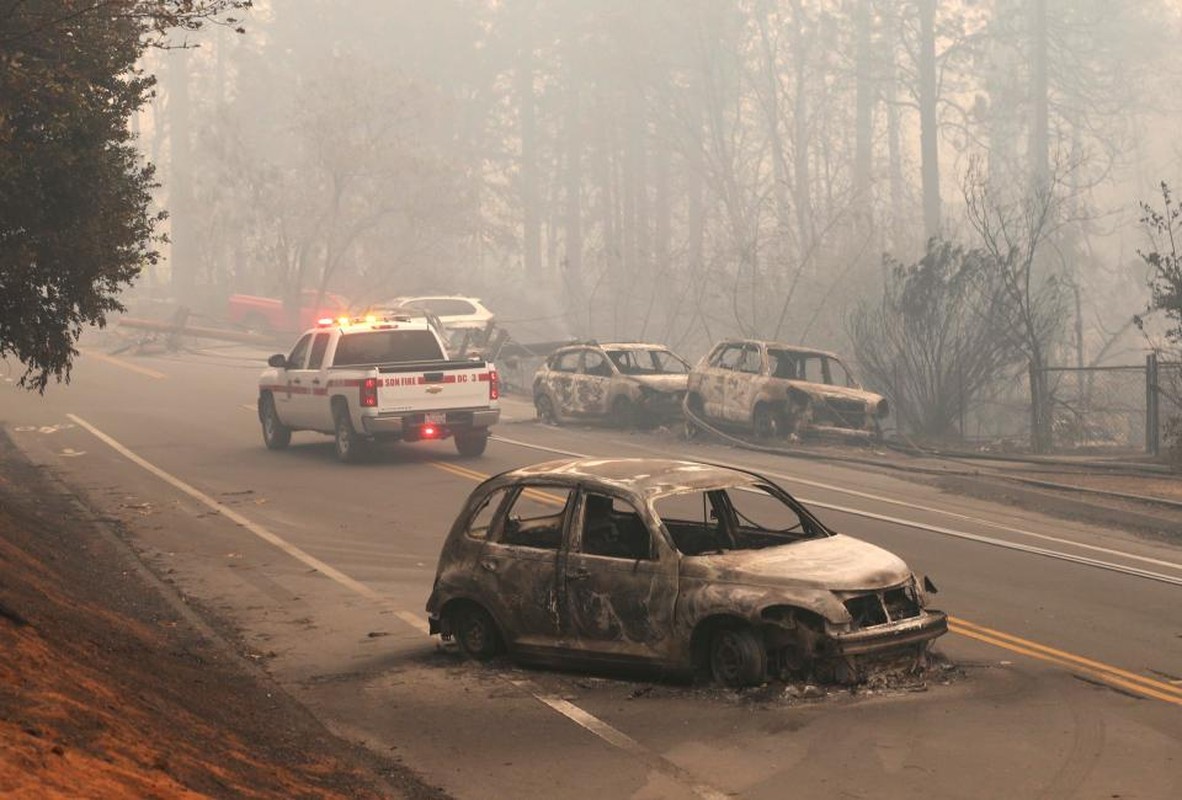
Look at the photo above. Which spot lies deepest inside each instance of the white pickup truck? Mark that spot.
(377, 378)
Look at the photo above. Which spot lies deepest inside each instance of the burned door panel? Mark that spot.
(562, 380)
(517, 568)
(716, 377)
(620, 584)
(744, 386)
(589, 386)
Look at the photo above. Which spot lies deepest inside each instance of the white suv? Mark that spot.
(454, 312)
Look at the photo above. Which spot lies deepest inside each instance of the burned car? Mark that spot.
(683, 566)
(774, 389)
(629, 384)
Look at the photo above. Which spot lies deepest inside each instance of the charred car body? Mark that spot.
(684, 566)
(627, 383)
(775, 389)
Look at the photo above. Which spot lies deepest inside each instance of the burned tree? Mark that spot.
(1033, 308)
(935, 337)
(1164, 226)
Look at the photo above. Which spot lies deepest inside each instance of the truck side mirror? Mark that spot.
(278, 360)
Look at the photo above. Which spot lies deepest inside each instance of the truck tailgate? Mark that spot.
(436, 385)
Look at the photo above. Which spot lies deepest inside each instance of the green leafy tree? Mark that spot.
(76, 226)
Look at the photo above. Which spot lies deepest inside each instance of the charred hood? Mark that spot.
(837, 563)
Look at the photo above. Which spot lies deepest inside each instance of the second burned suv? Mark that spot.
(775, 389)
(629, 384)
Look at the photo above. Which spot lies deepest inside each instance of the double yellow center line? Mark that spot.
(1105, 673)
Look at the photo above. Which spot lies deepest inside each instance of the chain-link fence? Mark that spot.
(1134, 409)
(1164, 390)
(1096, 408)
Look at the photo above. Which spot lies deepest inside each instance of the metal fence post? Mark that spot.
(1152, 432)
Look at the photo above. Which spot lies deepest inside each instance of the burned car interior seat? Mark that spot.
(611, 533)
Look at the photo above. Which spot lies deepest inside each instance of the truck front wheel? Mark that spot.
(471, 443)
(276, 435)
(349, 446)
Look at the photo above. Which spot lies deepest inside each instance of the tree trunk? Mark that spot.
(865, 96)
(573, 261)
(1039, 93)
(184, 253)
(800, 144)
(1040, 412)
(775, 139)
(531, 239)
(929, 149)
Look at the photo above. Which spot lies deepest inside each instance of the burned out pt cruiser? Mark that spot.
(684, 566)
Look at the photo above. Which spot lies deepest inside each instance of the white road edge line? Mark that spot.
(946, 531)
(585, 720)
(621, 740)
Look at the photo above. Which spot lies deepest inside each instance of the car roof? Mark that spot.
(412, 298)
(791, 348)
(649, 477)
(633, 345)
(612, 345)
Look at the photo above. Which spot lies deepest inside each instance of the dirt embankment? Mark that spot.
(106, 691)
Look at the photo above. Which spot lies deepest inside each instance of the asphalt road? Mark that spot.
(1068, 638)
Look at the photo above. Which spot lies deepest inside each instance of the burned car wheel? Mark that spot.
(623, 413)
(692, 408)
(767, 422)
(475, 632)
(737, 657)
(545, 409)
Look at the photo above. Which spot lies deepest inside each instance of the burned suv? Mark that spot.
(775, 389)
(629, 384)
(684, 566)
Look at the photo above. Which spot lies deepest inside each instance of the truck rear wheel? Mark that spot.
(349, 446)
(471, 443)
(276, 435)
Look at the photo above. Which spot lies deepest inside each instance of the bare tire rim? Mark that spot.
(765, 424)
(727, 659)
(475, 635)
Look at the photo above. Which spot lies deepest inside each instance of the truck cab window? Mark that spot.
(319, 345)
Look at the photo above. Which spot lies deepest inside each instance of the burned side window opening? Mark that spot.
(813, 369)
(749, 517)
(536, 517)
(485, 516)
(613, 528)
(647, 362)
(566, 362)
